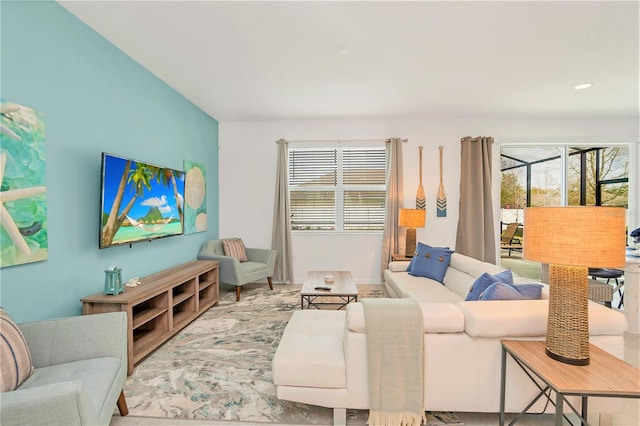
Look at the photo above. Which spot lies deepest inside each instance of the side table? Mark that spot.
(605, 376)
(398, 257)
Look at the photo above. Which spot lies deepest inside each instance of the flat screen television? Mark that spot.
(139, 202)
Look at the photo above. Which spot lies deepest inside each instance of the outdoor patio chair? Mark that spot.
(611, 274)
(508, 239)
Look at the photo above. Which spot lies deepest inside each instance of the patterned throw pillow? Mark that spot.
(431, 262)
(234, 247)
(15, 358)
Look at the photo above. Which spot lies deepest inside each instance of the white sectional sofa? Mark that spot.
(322, 356)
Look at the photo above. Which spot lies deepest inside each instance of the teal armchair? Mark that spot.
(80, 367)
(260, 265)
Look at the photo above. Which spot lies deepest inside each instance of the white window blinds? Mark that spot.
(337, 188)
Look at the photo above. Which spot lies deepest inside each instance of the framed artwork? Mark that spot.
(195, 197)
(23, 194)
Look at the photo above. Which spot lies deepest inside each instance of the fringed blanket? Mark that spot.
(395, 343)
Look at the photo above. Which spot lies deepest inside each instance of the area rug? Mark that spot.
(219, 366)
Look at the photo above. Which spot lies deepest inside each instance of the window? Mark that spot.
(534, 176)
(337, 188)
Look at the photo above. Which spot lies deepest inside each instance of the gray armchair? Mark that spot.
(80, 367)
(260, 265)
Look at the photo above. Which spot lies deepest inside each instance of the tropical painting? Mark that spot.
(140, 201)
(23, 199)
(195, 211)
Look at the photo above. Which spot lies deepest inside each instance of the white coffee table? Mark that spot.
(343, 290)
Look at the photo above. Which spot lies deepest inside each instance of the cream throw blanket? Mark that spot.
(395, 346)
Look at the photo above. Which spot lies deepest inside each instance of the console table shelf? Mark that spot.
(161, 305)
(146, 316)
(181, 298)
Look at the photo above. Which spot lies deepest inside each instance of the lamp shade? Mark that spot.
(412, 218)
(592, 236)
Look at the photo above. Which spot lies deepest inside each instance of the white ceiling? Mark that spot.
(278, 60)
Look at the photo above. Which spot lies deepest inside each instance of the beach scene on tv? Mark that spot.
(140, 201)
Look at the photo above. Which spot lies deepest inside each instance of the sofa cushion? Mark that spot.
(311, 353)
(528, 318)
(473, 267)
(430, 262)
(504, 291)
(399, 265)
(605, 321)
(437, 317)
(494, 318)
(401, 284)
(96, 375)
(458, 282)
(485, 280)
(234, 247)
(15, 357)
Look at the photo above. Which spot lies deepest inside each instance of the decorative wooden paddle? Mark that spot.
(421, 203)
(442, 197)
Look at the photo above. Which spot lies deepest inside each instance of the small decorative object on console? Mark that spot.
(329, 279)
(113, 280)
(133, 282)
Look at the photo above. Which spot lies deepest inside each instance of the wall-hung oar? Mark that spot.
(442, 197)
(421, 203)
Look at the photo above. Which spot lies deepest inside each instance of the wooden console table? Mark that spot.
(161, 305)
(605, 376)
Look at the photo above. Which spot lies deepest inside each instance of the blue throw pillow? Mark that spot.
(485, 280)
(502, 291)
(430, 262)
(420, 246)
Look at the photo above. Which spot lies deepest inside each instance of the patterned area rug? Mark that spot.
(219, 366)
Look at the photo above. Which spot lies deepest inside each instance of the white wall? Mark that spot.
(247, 157)
(634, 196)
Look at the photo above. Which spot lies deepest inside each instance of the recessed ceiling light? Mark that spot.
(583, 86)
(343, 50)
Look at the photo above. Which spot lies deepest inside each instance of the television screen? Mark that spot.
(140, 201)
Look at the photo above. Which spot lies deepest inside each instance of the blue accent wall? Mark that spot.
(93, 98)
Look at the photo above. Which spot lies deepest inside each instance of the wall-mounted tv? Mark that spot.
(139, 202)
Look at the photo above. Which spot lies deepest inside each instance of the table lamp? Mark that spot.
(570, 240)
(411, 219)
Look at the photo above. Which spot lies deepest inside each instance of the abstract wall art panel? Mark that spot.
(23, 194)
(195, 195)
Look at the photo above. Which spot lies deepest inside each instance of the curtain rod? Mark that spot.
(342, 140)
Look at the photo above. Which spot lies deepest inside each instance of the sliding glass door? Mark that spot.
(564, 175)
(560, 175)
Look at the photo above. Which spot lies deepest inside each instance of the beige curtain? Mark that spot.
(395, 196)
(475, 236)
(281, 238)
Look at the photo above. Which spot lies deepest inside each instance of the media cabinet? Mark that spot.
(161, 305)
